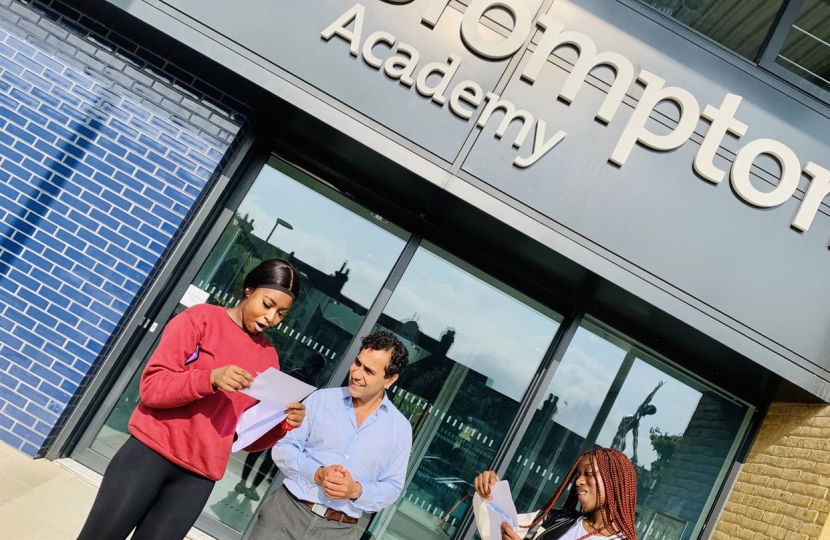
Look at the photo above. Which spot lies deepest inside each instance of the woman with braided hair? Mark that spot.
(603, 485)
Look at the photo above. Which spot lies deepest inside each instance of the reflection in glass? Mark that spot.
(563, 421)
(474, 347)
(343, 253)
(679, 433)
(739, 25)
(806, 51)
(685, 435)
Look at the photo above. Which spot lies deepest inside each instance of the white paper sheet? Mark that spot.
(194, 295)
(502, 509)
(491, 514)
(256, 422)
(275, 390)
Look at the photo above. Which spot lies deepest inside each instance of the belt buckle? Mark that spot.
(319, 509)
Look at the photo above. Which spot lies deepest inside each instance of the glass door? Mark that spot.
(343, 253)
(680, 433)
(479, 354)
(474, 345)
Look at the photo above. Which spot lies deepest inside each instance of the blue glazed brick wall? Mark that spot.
(104, 151)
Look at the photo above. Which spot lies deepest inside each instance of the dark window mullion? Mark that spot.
(533, 396)
(376, 309)
(537, 390)
(781, 29)
(773, 47)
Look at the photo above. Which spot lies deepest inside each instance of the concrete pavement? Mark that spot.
(45, 500)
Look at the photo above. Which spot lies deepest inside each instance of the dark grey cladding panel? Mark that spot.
(745, 262)
(756, 273)
(767, 111)
(287, 33)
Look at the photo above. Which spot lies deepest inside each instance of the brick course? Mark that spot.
(105, 149)
(782, 490)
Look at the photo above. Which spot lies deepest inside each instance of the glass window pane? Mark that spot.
(344, 254)
(680, 433)
(475, 345)
(739, 25)
(563, 421)
(806, 51)
(685, 435)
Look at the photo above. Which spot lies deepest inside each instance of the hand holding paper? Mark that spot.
(490, 514)
(295, 415)
(275, 390)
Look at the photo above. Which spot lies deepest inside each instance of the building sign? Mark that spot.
(436, 81)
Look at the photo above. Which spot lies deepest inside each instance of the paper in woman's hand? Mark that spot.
(256, 422)
(491, 514)
(500, 509)
(275, 390)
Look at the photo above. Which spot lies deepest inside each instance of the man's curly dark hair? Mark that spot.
(387, 341)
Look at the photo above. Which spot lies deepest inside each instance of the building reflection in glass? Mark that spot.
(609, 392)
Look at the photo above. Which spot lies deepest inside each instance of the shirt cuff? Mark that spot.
(308, 470)
(368, 493)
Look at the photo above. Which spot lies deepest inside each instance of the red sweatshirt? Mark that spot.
(180, 416)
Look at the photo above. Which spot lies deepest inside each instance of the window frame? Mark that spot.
(775, 42)
(763, 65)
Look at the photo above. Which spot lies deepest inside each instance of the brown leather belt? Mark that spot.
(325, 512)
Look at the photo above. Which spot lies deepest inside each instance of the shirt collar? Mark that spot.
(347, 399)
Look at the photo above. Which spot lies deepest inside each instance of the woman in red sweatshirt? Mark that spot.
(184, 426)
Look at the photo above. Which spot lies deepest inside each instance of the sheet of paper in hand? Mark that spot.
(500, 509)
(274, 390)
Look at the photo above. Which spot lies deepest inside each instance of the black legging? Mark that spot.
(143, 490)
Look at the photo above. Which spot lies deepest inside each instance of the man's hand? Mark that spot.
(296, 414)
(323, 472)
(230, 379)
(339, 484)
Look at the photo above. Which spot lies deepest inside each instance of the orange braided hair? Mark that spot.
(620, 481)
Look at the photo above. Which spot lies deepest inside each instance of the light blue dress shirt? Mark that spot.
(376, 454)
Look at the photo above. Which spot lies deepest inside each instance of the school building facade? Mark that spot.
(592, 222)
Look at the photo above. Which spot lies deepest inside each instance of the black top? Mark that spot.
(557, 523)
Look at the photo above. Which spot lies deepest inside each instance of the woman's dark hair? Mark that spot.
(387, 341)
(274, 274)
(620, 480)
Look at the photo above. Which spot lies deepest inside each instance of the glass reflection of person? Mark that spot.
(310, 369)
(601, 502)
(183, 428)
(632, 423)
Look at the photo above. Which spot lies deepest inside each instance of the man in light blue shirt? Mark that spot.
(348, 457)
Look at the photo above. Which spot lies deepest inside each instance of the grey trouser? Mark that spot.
(283, 518)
